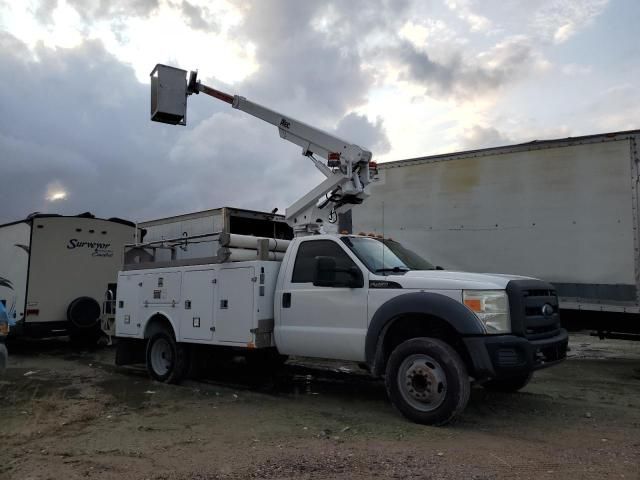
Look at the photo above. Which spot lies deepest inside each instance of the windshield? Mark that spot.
(386, 256)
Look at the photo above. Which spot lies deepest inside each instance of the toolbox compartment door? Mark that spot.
(235, 312)
(128, 305)
(196, 322)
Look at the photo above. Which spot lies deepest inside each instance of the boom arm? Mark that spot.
(348, 169)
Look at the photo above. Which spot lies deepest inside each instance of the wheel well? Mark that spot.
(158, 323)
(410, 326)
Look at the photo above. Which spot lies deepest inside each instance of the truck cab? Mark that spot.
(426, 330)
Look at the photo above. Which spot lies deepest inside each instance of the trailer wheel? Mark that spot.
(427, 381)
(167, 360)
(511, 384)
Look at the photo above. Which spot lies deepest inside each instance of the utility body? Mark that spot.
(424, 330)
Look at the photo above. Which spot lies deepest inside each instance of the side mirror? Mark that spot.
(325, 274)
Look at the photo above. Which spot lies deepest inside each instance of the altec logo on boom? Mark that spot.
(99, 249)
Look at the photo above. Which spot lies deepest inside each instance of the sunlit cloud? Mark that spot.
(55, 192)
(166, 35)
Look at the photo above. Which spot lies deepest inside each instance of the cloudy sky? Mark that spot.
(403, 78)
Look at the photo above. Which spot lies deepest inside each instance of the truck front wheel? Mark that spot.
(167, 360)
(427, 381)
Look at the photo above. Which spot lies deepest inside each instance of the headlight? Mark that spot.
(491, 307)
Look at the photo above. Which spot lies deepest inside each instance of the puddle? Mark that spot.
(130, 391)
(21, 385)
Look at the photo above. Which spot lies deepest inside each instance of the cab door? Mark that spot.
(324, 322)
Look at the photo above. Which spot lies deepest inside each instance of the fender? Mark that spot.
(147, 333)
(455, 313)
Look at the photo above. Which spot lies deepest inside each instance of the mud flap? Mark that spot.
(130, 351)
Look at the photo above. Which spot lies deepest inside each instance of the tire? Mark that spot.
(84, 313)
(510, 385)
(427, 381)
(167, 360)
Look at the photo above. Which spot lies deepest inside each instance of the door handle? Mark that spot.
(286, 300)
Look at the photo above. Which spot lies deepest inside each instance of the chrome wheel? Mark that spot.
(422, 382)
(161, 357)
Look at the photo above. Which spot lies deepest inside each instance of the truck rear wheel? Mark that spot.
(167, 360)
(511, 384)
(427, 381)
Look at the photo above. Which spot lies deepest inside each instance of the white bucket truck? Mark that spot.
(426, 331)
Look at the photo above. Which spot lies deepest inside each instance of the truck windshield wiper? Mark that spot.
(394, 269)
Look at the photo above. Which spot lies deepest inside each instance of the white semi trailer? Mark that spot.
(54, 270)
(324, 295)
(564, 210)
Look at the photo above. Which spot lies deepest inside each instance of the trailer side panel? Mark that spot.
(559, 212)
(72, 257)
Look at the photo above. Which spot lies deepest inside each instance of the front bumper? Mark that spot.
(506, 356)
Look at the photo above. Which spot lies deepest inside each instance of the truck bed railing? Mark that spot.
(206, 248)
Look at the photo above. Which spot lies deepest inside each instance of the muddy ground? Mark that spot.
(66, 414)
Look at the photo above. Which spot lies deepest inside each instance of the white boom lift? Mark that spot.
(348, 167)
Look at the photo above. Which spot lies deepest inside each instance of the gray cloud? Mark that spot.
(91, 10)
(44, 11)
(357, 129)
(466, 78)
(558, 20)
(483, 137)
(195, 17)
(311, 63)
(78, 118)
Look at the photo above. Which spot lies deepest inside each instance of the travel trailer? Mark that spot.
(54, 270)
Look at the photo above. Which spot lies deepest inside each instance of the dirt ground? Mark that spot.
(68, 415)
